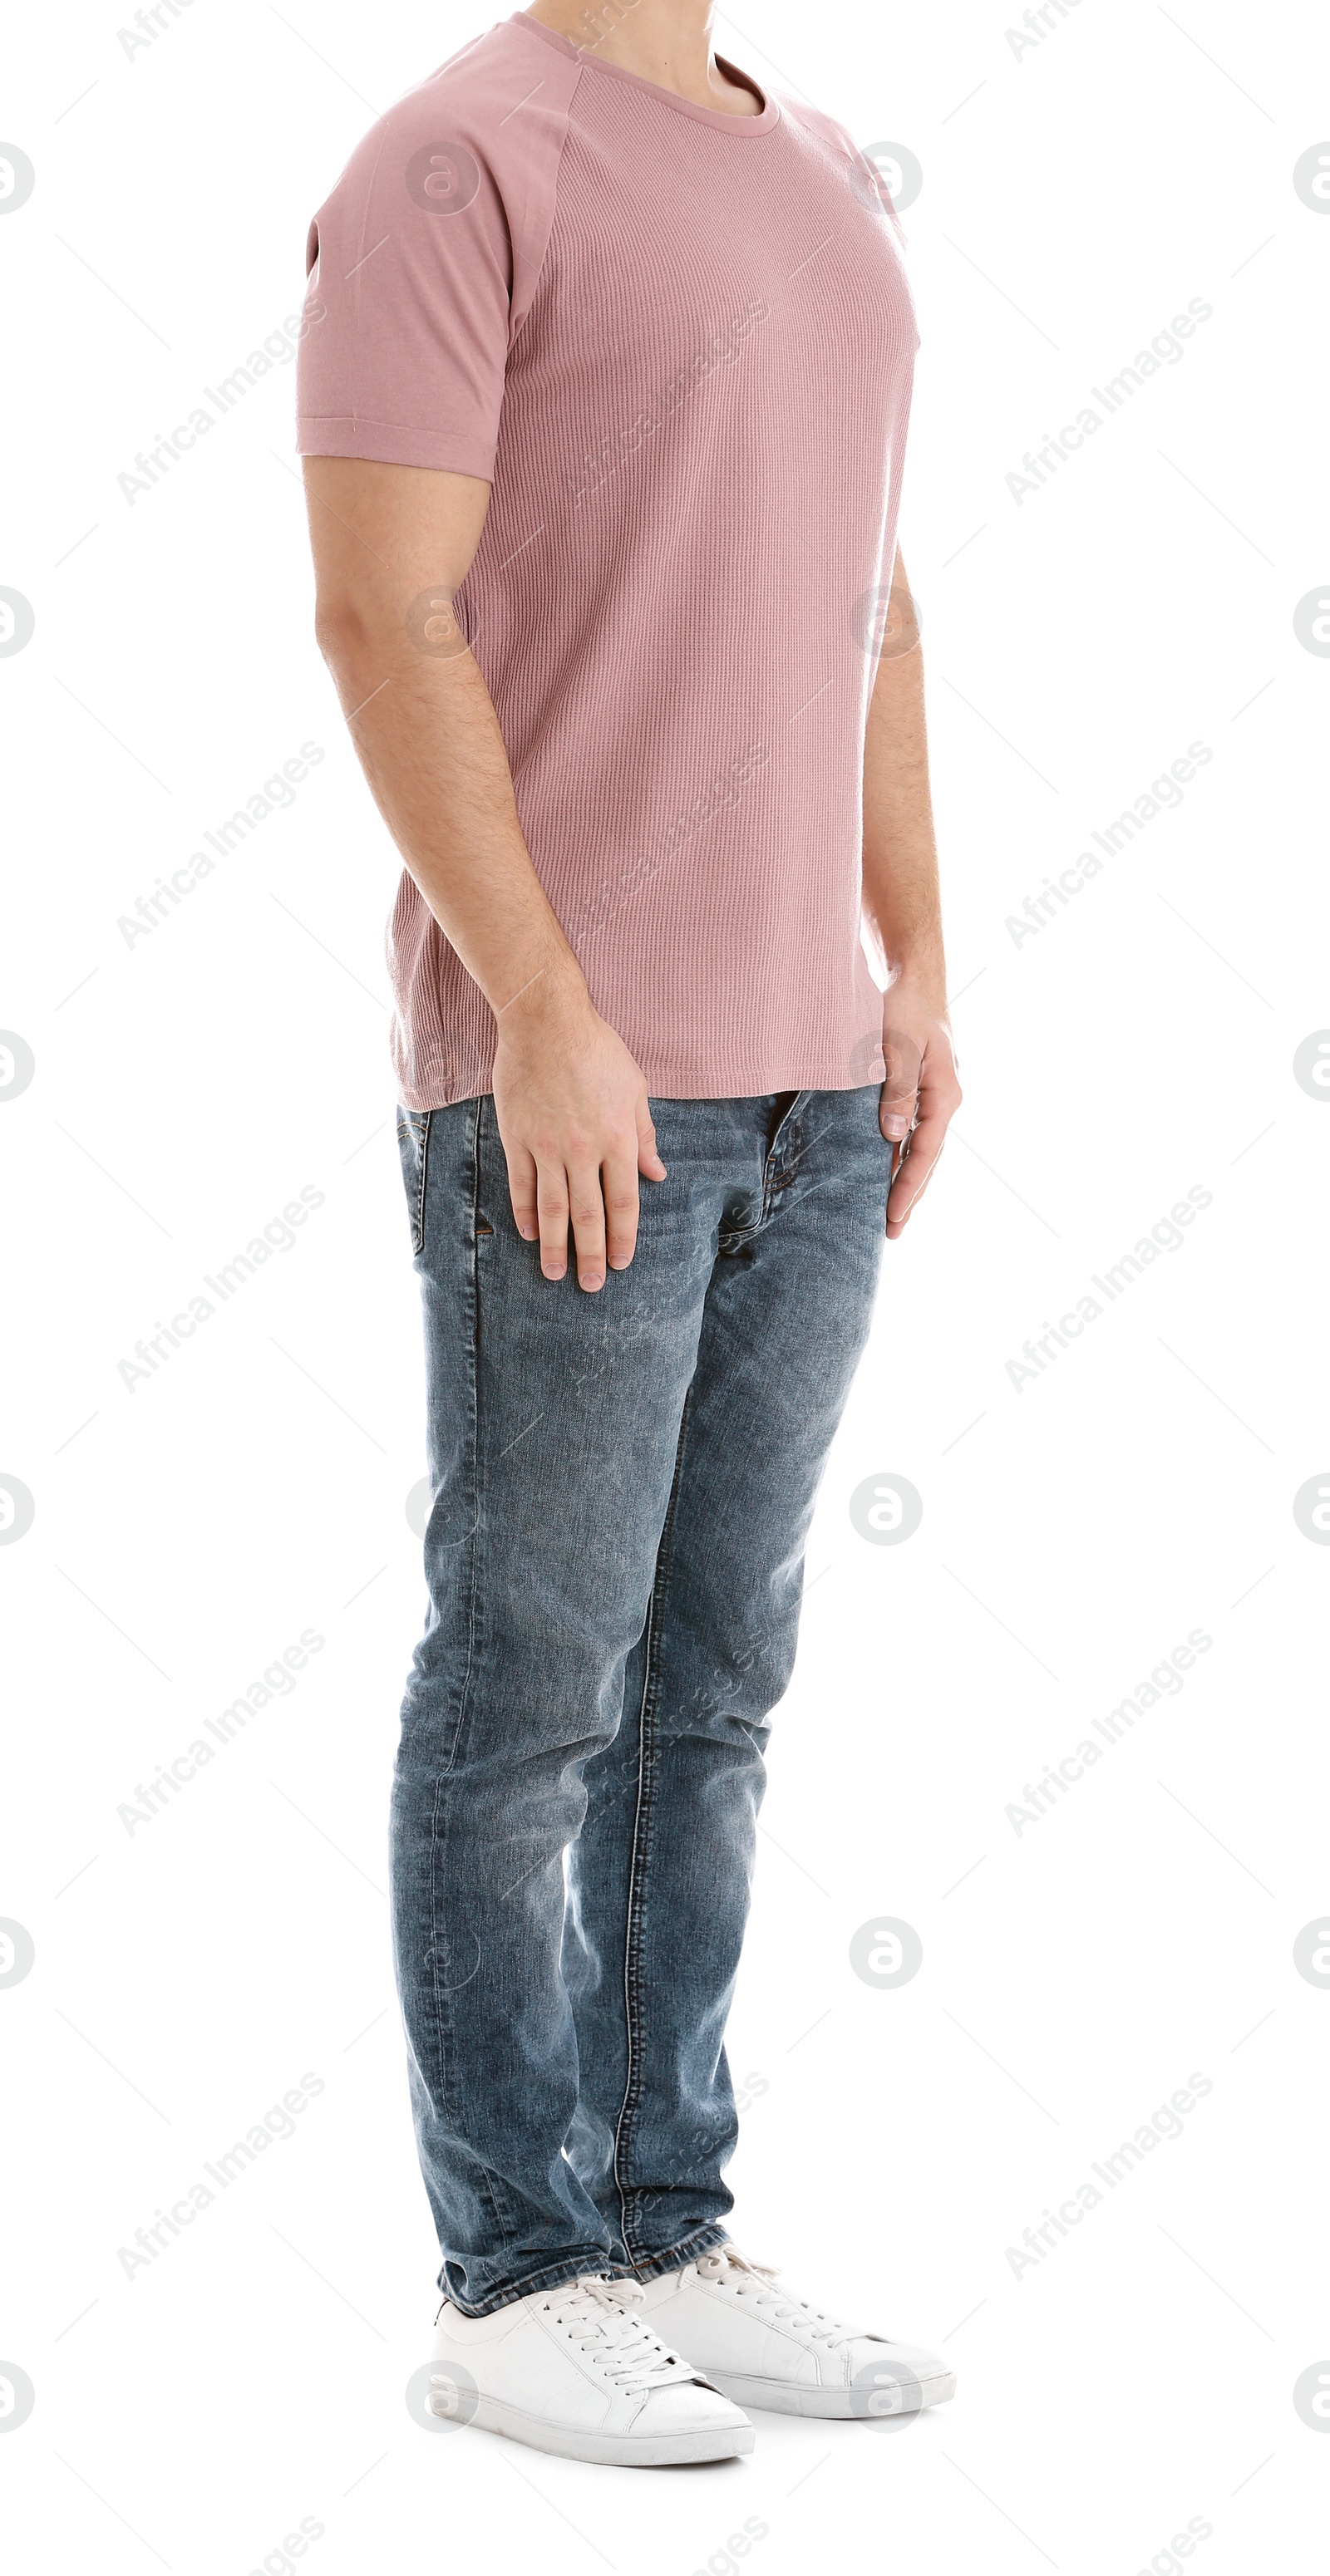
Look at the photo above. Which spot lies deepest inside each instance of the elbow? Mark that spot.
(339, 630)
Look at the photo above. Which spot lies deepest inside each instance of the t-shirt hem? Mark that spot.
(752, 1082)
(388, 442)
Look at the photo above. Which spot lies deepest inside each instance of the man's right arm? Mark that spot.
(391, 544)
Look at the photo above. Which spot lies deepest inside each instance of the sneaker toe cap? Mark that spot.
(688, 2407)
(910, 2365)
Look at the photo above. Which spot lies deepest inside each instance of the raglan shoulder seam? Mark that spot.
(566, 113)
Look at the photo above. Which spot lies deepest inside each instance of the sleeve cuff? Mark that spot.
(390, 442)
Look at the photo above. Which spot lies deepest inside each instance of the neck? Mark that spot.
(665, 41)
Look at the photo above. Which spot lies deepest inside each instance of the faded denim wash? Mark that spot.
(622, 1487)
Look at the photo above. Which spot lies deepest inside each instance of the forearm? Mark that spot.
(901, 897)
(429, 743)
(902, 907)
(391, 545)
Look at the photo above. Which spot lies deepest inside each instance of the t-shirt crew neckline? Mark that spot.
(714, 116)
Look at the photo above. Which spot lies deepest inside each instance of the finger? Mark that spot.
(896, 1112)
(522, 1192)
(937, 1099)
(919, 1167)
(618, 1175)
(900, 1090)
(552, 1211)
(925, 1145)
(648, 1160)
(587, 1210)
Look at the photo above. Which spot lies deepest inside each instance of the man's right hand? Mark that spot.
(392, 543)
(575, 1126)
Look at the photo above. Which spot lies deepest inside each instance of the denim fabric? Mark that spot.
(622, 1486)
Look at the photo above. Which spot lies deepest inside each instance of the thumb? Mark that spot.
(900, 1090)
(649, 1163)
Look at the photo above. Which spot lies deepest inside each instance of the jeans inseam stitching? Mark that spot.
(424, 1175)
(641, 1830)
(473, 1281)
(438, 1838)
(628, 1988)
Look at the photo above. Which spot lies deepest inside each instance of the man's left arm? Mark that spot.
(903, 911)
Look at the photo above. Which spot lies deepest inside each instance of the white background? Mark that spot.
(1141, 1044)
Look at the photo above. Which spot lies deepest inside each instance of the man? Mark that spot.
(603, 398)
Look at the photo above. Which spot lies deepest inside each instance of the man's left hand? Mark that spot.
(920, 1096)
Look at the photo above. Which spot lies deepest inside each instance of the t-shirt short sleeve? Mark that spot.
(870, 184)
(420, 268)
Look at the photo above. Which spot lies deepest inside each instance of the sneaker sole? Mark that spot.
(614, 2450)
(779, 2397)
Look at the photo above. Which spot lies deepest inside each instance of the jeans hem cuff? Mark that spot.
(571, 2267)
(550, 2276)
(703, 2240)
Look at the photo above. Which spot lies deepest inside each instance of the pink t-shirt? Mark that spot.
(679, 344)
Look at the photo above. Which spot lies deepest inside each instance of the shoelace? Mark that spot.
(598, 2312)
(819, 2327)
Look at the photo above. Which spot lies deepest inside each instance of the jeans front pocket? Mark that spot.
(413, 1146)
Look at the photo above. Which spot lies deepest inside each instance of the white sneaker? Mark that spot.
(575, 2370)
(764, 2347)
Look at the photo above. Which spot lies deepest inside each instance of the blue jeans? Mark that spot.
(622, 1487)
